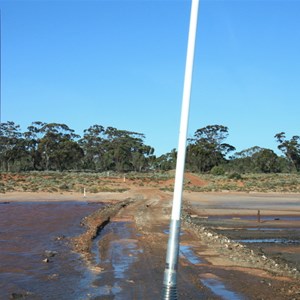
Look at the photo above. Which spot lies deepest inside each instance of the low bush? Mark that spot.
(217, 171)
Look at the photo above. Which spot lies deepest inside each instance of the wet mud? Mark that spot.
(269, 224)
(119, 251)
(94, 224)
(277, 237)
(114, 252)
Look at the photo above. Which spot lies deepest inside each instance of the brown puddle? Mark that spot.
(114, 251)
(34, 253)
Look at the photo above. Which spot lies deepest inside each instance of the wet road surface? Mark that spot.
(127, 258)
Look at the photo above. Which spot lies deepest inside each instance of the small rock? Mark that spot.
(19, 295)
(131, 281)
(53, 276)
(59, 238)
(49, 253)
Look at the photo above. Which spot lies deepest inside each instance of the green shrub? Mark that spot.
(235, 175)
(217, 171)
(64, 187)
(93, 189)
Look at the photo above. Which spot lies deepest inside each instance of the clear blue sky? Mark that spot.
(121, 64)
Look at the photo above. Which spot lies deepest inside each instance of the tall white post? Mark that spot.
(170, 274)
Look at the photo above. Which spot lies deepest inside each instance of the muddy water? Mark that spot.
(220, 290)
(254, 218)
(32, 234)
(115, 251)
(187, 252)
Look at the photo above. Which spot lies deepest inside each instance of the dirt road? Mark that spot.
(128, 257)
(123, 246)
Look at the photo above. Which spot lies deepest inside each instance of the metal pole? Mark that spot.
(170, 274)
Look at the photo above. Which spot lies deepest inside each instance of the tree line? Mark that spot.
(54, 146)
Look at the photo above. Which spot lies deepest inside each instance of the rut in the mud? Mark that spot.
(94, 223)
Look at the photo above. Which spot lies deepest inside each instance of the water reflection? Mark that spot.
(187, 252)
(114, 253)
(275, 241)
(218, 288)
(29, 229)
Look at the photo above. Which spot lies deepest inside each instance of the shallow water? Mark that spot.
(27, 230)
(218, 288)
(251, 218)
(272, 229)
(114, 251)
(187, 252)
(275, 241)
(167, 231)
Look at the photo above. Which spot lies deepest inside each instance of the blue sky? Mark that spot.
(121, 64)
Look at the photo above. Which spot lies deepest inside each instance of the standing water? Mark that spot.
(36, 260)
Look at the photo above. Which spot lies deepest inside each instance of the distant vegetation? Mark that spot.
(78, 182)
(56, 147)
(275, 182)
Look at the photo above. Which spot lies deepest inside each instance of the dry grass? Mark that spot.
(282, 183)
(55, 182)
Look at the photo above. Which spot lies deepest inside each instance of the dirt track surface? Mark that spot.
(128, 257)
(126, 248)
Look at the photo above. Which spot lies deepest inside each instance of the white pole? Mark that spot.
(170, 274)
(185, 111)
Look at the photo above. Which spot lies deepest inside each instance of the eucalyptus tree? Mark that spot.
(127, 150)
(266, 161)
(207, 148)
(56, 146)
(12, 147)
(113, 149)
(166, 161)
(92, 144)
(255, 159)
(242, 161)
(32, 138)
(290, 148)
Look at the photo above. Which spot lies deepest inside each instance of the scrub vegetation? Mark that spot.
(78, 182)
(52, 157)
